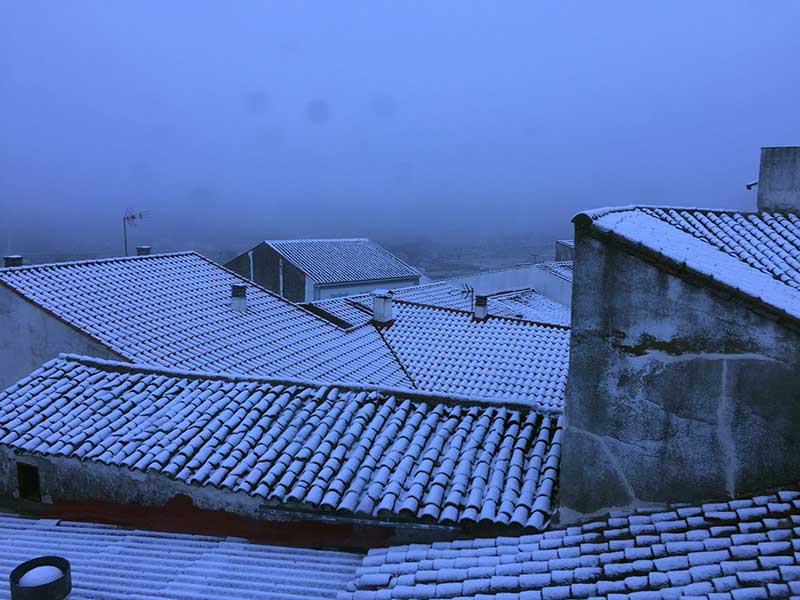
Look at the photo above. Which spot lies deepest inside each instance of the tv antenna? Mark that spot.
(469, 293)
(133, 219)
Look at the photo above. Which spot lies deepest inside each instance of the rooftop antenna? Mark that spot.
(133, 219)
(468, 292)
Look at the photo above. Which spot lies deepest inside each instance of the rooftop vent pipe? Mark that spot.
(13, 260)
(43, 578)
(143, 250)
(480, 311)
(239, 297)
(382, 309)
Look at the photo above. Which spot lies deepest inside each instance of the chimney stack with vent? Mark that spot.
(239, 297)
(142, 250)
(481, 309)
(382, 309)
(779, 179)
(12, 260)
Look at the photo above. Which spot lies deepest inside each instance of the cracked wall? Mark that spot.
(674, 393)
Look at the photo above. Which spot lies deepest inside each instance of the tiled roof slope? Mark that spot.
(173, 310)
(343, 260)
(561, 269)
(754, 254)
(111, 562)
(499, 357)
(528, 304)
(359, 451)
(741, 549)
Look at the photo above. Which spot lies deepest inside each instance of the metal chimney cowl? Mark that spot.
(12, 260)
(48, 587)
(481, 308)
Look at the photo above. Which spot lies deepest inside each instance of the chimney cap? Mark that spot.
(381, 293)
(143, 250)
(50, 578)
(238, 290)
(12, 260)
(481, 300)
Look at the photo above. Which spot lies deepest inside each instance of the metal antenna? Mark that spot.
(469, 292)
(133, 219)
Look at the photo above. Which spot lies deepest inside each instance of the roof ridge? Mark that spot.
(304, 240)
(106, 259)
(489, 316)
(597, 213)
(125, 367)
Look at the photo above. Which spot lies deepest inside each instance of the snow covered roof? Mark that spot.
(567, 243)
(499, 357)
(748, 548)
(561, 269)
(174, 310)
(359, 451)
(523, 304)
(755, 254)
(113, 562)
(343, 260)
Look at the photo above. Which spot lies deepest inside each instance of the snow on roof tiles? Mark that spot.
(361, 451)
(528, 304)
(114, 562)
(561, 269)
(343, 260)
(173, 310)
(746, 548)
(757, 254)
(499, 357)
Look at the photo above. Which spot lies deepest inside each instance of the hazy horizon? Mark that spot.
(444, 121)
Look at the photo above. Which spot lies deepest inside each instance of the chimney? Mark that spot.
(143, 250)
(239, 297)
(480, 311)
(779, 179)
(382, 310)
(12, 260)
(43, 578)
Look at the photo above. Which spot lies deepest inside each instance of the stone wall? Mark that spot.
(674, 393)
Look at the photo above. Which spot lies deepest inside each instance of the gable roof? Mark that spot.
(114, 562)
(343, 260)
(174, 310)
(562, 269)
(359, 451)
(755, 255)
(747, 548)
(498, 357)
(529, 304)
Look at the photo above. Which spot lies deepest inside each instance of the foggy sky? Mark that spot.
(233, 122)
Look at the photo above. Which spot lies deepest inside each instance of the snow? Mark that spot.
(40, 576)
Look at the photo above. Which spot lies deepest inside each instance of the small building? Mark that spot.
(308, 270)
(685, 353)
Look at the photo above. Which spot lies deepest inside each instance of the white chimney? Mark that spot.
(239, 297)
(480, 311)
(142, 250)
(779, 179)
(12, 260)
(382, 309)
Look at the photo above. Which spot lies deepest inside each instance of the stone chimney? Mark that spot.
(239, 297)
(382, 309)
(480, 309)
(12, 260)
(143, 250)
(779, 179)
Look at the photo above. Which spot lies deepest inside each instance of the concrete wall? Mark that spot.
(674, 394)
(266, 273)
(322, 292)
(564, 251)
(29, 337)
(779, 179)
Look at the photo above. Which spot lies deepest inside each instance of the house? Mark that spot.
(357, 465)
(308, 270)
(180, 311)
(523, 303)
(685, 354)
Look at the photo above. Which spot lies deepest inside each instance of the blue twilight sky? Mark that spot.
(234, 121)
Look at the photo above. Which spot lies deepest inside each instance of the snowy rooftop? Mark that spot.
(115, 563)
(358, 451)
(523, 304)
(567, 243)
(754, 254)
(741, 549)
(174, 310)
(343, 260)
(561, 269)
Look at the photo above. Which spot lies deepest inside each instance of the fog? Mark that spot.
(401, 121)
